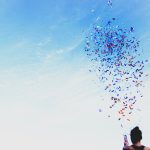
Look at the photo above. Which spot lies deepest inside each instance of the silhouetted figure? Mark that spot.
(136, 137)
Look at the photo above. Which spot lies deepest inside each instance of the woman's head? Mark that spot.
(136, 135)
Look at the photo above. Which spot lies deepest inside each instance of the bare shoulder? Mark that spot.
(130, 148)
(146, 148)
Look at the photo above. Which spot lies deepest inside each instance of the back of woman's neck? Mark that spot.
(138, 144)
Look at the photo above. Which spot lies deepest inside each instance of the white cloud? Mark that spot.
(44, 42)
(56, 54)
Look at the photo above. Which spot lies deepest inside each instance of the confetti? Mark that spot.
(109, 3)
(114, 53)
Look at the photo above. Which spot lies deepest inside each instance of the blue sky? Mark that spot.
(32, 27)
(48, 99)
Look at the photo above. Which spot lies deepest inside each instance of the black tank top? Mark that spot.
(138, 147)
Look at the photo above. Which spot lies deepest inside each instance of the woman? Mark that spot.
(136, 137)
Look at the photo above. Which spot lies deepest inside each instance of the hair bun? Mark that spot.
(136, 128)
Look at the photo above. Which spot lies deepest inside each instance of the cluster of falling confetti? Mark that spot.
(109, 3)
(115, 53)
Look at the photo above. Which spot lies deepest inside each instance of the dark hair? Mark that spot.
(136, 135)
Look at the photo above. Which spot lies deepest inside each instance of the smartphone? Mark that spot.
(126, 140)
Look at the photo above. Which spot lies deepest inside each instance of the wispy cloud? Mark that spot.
(56, 54)
(44, 42)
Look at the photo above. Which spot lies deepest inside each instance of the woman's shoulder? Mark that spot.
(146, 148)
(129, 148)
